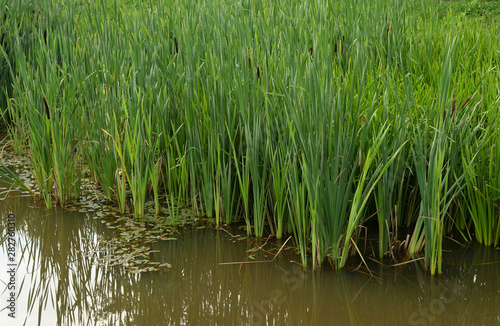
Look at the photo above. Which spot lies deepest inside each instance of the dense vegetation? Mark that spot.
(313, 118)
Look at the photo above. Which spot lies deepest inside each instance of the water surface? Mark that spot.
(57, 285)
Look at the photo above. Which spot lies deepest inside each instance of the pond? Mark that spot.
(56, 283)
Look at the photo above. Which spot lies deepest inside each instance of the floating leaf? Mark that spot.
(165, 265)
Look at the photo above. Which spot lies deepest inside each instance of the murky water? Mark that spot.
(56, 285)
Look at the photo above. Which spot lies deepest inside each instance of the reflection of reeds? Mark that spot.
(52, 276)
(286, 143)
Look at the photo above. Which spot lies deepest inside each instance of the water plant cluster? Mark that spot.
(320, 119)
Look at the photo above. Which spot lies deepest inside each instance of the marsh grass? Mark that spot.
(295, 117)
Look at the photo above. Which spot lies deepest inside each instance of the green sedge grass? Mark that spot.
(301, 118)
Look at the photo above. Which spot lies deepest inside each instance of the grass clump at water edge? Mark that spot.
(298, 118)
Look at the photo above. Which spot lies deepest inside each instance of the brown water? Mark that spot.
(57, 285)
